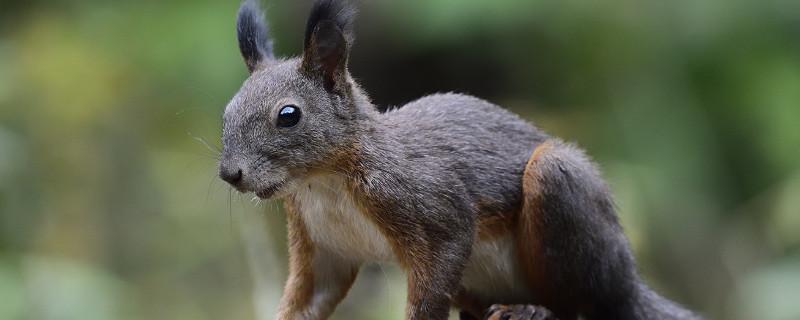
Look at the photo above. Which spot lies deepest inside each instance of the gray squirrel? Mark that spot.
(485, 212)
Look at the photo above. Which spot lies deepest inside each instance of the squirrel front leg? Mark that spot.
(431, 237)
(433, 281)
(434, 259)
(317, 281)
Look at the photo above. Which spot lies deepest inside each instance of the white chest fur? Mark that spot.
(336, 224)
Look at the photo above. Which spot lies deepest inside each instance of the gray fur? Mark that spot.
(430, 170)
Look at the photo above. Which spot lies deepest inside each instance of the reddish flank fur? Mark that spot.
(529, 246)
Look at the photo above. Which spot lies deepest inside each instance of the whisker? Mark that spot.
(256, 201)
(208, 188)
(214, 149)
(230, 210)
(205, 155)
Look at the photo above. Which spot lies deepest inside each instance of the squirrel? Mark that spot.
(483, 211)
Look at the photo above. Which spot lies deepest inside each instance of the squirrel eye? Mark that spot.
(288, 116)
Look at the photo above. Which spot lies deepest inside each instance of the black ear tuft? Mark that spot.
(328, 37)
(339, 12)
(251, 29)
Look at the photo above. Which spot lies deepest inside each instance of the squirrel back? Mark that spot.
(483, 145)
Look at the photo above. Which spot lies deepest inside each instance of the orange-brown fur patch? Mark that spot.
(528, 244)
(300, 284)
(491, 225)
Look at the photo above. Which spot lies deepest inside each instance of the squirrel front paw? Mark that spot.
(519, 312)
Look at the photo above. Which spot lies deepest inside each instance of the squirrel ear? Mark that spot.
(251, 29)
(328, 37)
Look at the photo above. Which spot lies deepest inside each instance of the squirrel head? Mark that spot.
(290, 116)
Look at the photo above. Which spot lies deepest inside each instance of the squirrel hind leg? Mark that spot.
(568, 241)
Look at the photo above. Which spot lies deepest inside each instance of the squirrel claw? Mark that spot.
(519, 312)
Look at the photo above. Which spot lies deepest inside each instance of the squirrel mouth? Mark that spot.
(268, 192)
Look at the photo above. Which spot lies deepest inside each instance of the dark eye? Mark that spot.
(288, 116)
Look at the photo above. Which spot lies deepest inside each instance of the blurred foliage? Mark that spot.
(110, 116)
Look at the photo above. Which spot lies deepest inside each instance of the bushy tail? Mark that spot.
(572, 248)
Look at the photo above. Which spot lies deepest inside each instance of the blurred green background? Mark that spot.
(110, 118)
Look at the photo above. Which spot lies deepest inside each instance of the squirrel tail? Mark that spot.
(571, 247)
(650, 305)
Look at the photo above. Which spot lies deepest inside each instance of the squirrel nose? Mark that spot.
(232, 175)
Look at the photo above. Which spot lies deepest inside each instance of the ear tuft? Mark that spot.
(340, 12)
(328, 37)
(251, 29)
